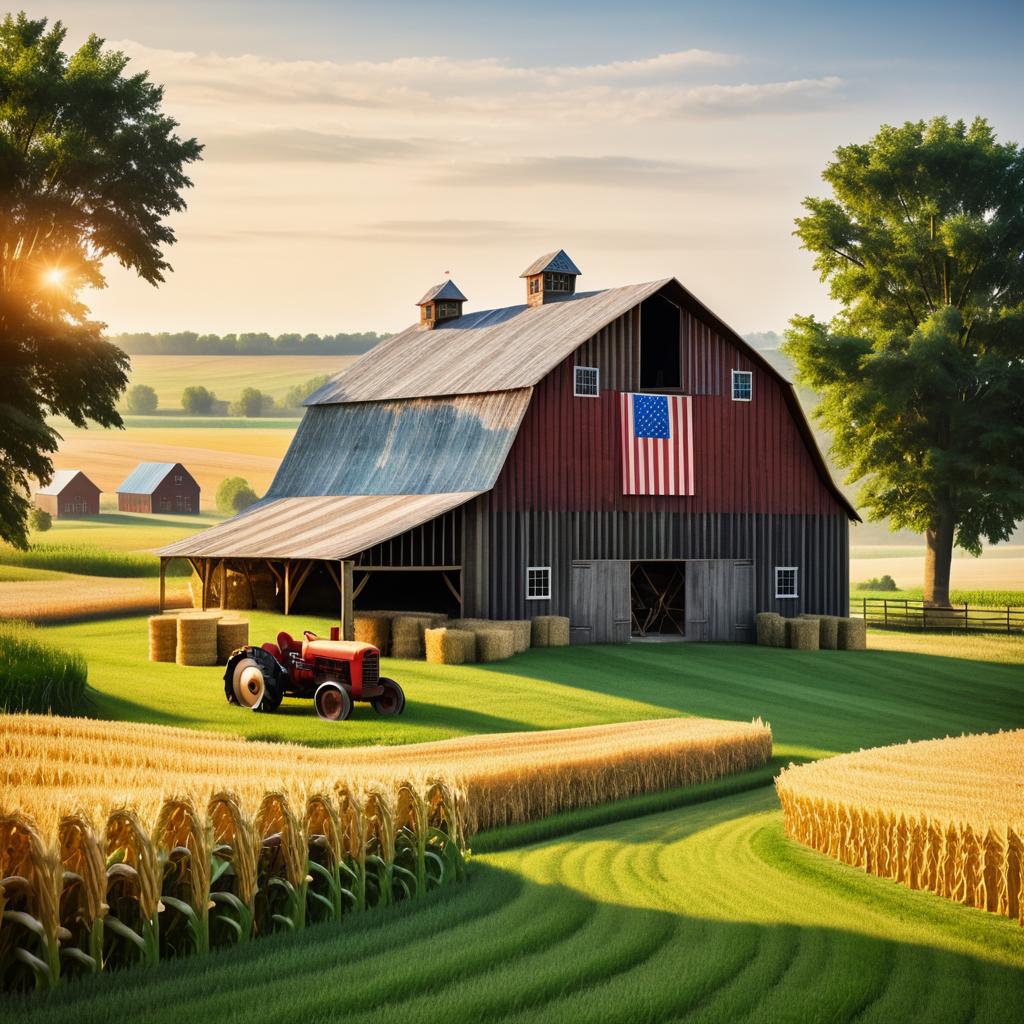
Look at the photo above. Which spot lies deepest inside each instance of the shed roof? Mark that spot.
(420, 446)
(61, 479)
(493, 350)
(445, 290)
(558, 262)
(146, 477)
(321, 527)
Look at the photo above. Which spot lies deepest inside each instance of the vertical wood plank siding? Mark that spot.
(437, 542)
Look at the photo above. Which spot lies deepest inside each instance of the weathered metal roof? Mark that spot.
(325, 527)
(558, 262)
(493, 350)
(445, 290)
(145, 478)
(422, 446)
(61, 478)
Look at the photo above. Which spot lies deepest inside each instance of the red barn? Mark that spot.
(163, 487)
(69, 493)
(622, 457)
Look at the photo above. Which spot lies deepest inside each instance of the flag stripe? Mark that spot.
(657, 464)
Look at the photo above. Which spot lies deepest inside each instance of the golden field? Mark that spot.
(945, 815)
(52, 766)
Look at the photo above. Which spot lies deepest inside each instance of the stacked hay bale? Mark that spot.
(852, 635)
(374, 628)
(494, 644)
(549, 631)
(163, 637)
(771, 629)
(197, 638)
(408, 634)
(449, 646)
(231, 634)
(802, 634)
(239, 595)
(828, 629)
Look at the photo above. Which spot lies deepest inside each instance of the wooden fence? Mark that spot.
(894, 613)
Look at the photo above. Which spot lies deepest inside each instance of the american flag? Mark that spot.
(657, 444)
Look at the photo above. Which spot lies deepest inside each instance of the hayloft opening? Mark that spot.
(660, 345)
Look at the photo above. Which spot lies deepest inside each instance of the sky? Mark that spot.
(356, 153)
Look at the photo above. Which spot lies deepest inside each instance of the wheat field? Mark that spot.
(944, 815)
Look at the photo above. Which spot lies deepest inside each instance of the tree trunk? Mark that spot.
(937, 559)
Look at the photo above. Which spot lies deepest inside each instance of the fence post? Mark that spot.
(885, 610)
(1007, 618)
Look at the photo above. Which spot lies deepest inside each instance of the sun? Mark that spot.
(54, 276)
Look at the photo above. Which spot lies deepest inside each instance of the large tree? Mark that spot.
(89, 169)
(921, 375)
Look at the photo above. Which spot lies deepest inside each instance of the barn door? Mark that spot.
(600, 602)
(743, 602)
(697, 573)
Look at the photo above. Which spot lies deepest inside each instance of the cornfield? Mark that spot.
(124, 843)
(946, 815)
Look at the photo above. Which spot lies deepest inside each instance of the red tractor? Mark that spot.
(334, 673)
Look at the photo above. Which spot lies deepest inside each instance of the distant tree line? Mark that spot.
(196, 400)
(189, 343)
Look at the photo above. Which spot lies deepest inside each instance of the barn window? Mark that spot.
(742, 385)
(586, 382)
(538, 583)
(660, 345)
(787, 579)
(554, 282)
(177, 479)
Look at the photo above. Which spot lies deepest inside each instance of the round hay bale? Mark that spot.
(197, 639)
(447, 646)
(802, 634)
(828, 632)
(852, 635)
(231, 634)
(373, 628)
(769, 627)
(494, 644)
(163, 637)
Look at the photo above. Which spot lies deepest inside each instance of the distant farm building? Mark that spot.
(69, 493)
(622, 457)
(164, 487)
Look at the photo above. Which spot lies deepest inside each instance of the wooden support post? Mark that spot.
(163, 583)
(348, 623)
(223, 583)
(288, 587)
(206, 583)
(252, 589)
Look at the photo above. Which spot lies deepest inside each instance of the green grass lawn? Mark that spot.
(706, 913)
(817, 701)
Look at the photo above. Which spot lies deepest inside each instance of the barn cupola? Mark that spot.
(443, 302)
(551, 277)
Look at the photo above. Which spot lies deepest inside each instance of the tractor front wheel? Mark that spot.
(332, 701)
(391, 701)
(253, 680)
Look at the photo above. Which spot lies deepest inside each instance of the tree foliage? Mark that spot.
(39, 520)
(189, 343)
(252, 402)
(90, 169)
(921, 376)
(298, 393)
(197, 400)
(141, 400)
(234, 495)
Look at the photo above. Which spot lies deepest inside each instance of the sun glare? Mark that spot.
(54, 276)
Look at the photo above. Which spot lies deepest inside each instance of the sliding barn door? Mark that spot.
(600, 602)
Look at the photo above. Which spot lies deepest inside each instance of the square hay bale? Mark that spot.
(767, 623)
(852, 635)
(828, 632)
(521, 632)
(468, 640)
(407, 634)
(802, 634)
(494, 644)
(445, 646)
(550, 631)
(231, 634)
(540, 631)
(373, 628)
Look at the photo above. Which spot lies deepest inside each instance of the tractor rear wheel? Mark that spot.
(332, 701)
(253, 680)
(391, 701)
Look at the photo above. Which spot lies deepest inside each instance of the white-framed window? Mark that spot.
(177, 479)
(742, 385)
(787, 581)
(538, 583)
(586, 382)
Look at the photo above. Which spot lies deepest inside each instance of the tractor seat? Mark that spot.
(288, 644)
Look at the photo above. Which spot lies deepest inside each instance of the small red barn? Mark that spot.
(163, 487)
(69, 493)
